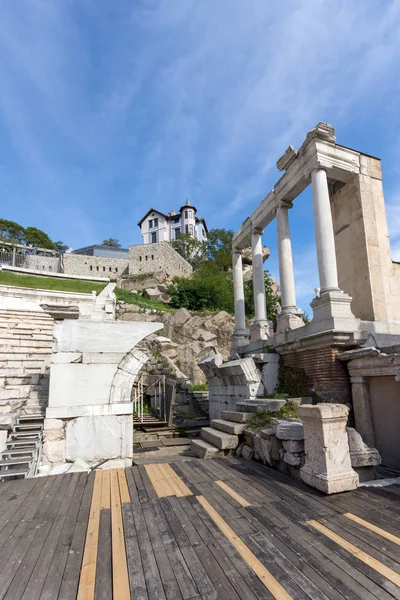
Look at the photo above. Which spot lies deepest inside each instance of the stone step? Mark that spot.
(237, 417)
(203, 449)
(253, 406)
(223, 441)
(228, 426)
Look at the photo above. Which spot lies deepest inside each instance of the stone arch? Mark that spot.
(126, 375)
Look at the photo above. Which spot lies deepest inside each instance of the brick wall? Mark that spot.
(326, 375)
(155, 258)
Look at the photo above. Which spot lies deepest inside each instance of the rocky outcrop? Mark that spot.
(185, 339)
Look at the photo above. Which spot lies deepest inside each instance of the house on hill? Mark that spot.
(159, 227)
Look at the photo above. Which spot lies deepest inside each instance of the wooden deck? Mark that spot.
(219, 529)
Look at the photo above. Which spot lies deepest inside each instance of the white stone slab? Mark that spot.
(66, 357)
(95, 336)
(97, 410)
(80, 384)
(94, 439)
(102, 357)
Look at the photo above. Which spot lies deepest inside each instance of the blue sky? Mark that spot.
(108, 108)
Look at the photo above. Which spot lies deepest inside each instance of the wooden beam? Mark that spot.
(87, 579)
(234, 494)
(374, 528)
(121, 589)
(123, 487)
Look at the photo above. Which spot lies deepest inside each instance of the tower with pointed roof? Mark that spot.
(159, 227)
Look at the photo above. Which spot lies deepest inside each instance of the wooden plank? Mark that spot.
(123, 487)
(154, 584)
(133, 555)
(242, 501)
(55, 572)
(360, 554)
(132, 486)
(235, 579)
(141, 490)
(151, 493)
(36, 581)
(41, 526)
(374, 528)
(105, 501)
(177, 542)
(167, 565)
(161, 487)
(70, 580)
(103, 586)
(121, 590)
(224, 589)
(182, 489)
(303, 552)
(87, 579)
(262, 573)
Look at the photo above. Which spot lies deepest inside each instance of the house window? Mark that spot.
(176, 231)
(97, 268)
(153, 238)
(140, 259)
(191, 229)
(152, 257)
(91, 268)
(116, 269)
(156, 222)
(104, 268)
(151, 224)
(109, 268)
(186, 214)
(186, 228)
(146, 257)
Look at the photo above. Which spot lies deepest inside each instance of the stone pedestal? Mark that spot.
(261, 330)
(289, 321)
(328, 464)
(332, 310)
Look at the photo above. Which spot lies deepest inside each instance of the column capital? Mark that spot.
(284, 204)
(237, 251)
(257, 230)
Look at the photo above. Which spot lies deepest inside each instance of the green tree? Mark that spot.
(11, 231)
(112, 243)
(60, 246)
(219, 248)
(191, 249)
(38, 238)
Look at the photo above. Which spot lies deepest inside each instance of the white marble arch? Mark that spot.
(126, 374)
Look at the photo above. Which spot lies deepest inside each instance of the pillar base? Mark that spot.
(287, 321)
(332, 310)
(343, 481)
(261, 330)
(240, 337)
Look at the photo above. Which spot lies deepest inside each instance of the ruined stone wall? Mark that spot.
(95, 266)
(326, 375)
(152, 258)
(365, 268)
(41, 263)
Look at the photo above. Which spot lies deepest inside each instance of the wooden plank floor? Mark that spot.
(198, 530)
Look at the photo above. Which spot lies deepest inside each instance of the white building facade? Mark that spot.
(159, 227)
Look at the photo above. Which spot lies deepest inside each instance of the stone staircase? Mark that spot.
(26, 338)
(23, 449)
(222, 437)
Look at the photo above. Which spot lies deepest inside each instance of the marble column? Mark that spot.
(286, 273)
(260, 329)
(238, 290)
(324, 235)
(260, 306)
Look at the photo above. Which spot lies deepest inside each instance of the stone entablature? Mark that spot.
(153, 258)
(357, 278)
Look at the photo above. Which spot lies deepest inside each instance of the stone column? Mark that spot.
(286, 273)
(260, 329)
(324, 235)
(241, 332)
(362, 410)
(328, 463)
(290, 317)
